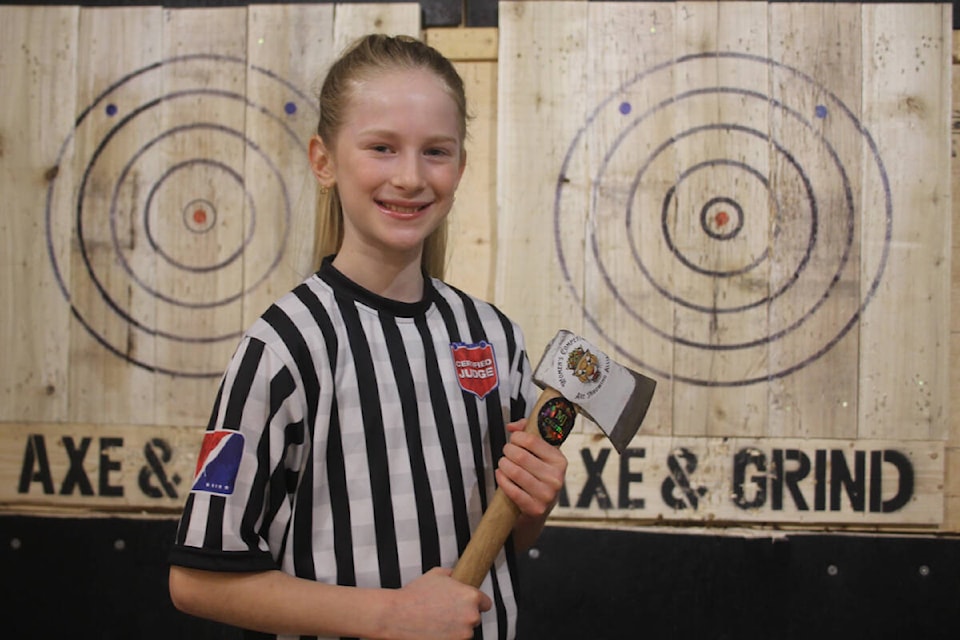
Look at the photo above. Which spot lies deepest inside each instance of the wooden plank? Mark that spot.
(199, 206)
(462, 44)
(542, 103)
(355, 20)
(473, 220)
(804, 481)
(122, 468)
(717, 226)
(906, 97)
(955, 245)
(621, 138)
(289, 48)
(470, 246)
(952, 485)
(37, 54)
(106, 214)
(816, 288)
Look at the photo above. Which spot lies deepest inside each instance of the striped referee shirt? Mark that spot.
(353, 440)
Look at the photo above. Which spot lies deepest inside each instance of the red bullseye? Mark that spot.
(199, 215)
(722, 218)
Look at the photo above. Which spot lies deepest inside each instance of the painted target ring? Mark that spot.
(160, 216)
(707, 233)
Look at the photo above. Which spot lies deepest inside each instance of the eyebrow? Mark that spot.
(391, 133)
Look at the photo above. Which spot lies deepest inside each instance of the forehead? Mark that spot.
(412, 91)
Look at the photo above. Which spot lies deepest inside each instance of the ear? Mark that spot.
(321, 162)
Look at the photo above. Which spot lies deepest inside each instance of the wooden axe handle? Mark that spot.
(497, 521)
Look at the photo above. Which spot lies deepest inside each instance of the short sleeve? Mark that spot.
(238, 509)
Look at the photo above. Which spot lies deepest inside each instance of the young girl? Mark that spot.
(353, 441)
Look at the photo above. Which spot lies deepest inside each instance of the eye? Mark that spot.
(438, 152)
(380, 148)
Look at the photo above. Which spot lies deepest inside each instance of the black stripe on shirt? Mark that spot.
(258, 487)
(518, 406)
(240, 390)
(281, 388)
(426, 513)
(376, 442)
(495, 425)
(184, 525)
(297, 347)
(497, 433)
(188, 505)
(336, 478)
(447, 437)
(469, 404)
(212, 423)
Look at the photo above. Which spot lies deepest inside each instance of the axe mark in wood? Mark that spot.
(575, 377)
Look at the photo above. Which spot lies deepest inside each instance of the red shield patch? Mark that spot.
(476, 367)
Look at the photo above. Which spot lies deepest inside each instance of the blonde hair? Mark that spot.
(368, 56)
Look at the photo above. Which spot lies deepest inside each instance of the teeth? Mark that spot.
(402, 209)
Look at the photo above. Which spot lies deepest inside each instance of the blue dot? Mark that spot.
(625, 108)
(290, 108)
(821, 111)
(111, 109)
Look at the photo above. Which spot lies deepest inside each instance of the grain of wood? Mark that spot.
(903, 337)
(719, 152)
(542, 101)
(464, 44)
(289, 49)
(471, 263)
(38, 56)
(816, 239)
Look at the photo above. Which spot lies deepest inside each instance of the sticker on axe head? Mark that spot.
(555, 420)
(579, 371)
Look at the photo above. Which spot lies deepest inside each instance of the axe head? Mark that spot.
(614, 397)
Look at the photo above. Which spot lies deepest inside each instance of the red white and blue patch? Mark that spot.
(219, 462)
(476, 367)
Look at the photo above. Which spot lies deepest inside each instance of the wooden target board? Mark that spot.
(157, 199)
(748, 202)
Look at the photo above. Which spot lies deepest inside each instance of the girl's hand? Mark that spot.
(531, 472)
(437, 607)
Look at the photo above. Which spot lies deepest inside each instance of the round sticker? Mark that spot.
(555, 420)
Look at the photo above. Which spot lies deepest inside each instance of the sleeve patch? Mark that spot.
(219, 462)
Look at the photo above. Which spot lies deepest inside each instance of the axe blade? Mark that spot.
(614, 397)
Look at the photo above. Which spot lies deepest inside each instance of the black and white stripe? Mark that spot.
(365, 463)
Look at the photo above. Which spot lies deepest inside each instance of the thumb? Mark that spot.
(485, 602)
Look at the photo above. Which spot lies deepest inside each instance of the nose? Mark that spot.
(409, 174)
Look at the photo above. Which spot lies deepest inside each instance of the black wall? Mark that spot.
(105, 578)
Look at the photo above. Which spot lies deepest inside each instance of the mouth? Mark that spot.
(402, 210)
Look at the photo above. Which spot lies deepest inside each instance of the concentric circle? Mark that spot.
(722, 219)
(159, 236)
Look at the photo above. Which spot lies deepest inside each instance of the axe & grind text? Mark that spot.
(777, 480)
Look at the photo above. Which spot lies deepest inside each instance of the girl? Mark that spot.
(353, 442)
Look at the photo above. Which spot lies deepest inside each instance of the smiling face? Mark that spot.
(396, 161)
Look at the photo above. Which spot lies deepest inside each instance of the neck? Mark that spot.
(400, 280)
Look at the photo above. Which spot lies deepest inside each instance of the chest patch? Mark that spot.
(476, 367)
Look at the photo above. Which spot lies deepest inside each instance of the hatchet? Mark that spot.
(576, 377)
